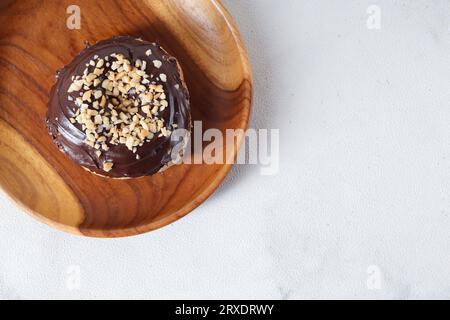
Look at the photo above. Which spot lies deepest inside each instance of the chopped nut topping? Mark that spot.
(107, 166)
(157, 64)
(148, 52)
(119, 104)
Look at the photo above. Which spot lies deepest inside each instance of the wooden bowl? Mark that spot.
(35, 41)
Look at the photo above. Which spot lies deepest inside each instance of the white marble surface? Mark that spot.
(362, 194)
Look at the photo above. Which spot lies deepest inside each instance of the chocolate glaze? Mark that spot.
(154, 155)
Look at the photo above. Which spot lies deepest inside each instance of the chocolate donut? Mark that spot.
(114, 108)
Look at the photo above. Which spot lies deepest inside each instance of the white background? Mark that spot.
(360, 207)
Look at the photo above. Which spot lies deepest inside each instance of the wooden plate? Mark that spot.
(35, 41)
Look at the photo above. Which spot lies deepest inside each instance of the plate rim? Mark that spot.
(190, 206)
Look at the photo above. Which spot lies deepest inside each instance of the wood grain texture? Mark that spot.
(35, 42)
